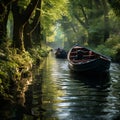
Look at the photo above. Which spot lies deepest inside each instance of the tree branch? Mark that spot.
(37, 16)
(27, 13)
(81, 22)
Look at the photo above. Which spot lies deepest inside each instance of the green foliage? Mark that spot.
(43, 53)
(110, 47)
(89, 16)
(6, 74)
(113, 41)
(38, 54)
(115, 4)
(15, 66)
(12, 66)
(52, 11)
(23, 3)
(106, 51)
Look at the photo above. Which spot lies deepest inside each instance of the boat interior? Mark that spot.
(80, 54)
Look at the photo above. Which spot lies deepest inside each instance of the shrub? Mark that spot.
(110, 47)
(106, 51)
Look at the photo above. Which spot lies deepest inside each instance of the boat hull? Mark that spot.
(93, 66)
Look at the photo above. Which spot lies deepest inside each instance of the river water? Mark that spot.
(58, 94)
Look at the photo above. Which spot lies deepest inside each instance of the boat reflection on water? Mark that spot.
(94, 80)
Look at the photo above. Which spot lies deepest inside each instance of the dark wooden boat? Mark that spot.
(60, 53)
(81, 59)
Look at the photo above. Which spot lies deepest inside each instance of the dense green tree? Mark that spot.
(89, 15)
(52, 12)
(70, 30)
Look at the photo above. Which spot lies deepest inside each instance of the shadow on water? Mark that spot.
(94, 80)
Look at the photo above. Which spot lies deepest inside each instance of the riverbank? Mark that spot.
(16, 71)
(23, 101)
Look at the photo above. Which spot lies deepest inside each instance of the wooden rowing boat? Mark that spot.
(81, 59)
(60, 53)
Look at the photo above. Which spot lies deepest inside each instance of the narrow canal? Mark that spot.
(58, 94)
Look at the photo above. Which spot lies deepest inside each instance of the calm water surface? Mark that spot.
(58, 94)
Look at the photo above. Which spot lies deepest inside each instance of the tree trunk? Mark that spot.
(30, 28)
(18, 28)
(18, 36)
(27, 36)
(20, 19)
